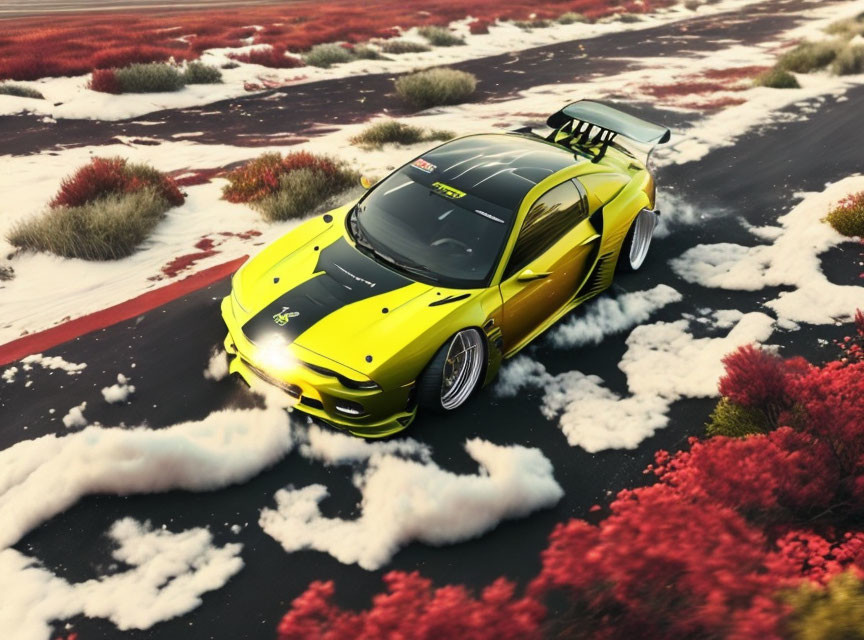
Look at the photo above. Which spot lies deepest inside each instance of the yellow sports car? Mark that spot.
(412, 296)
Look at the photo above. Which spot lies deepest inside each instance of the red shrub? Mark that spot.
(411, 608)
(104, 176)
(104, 80)
(260, 177)
(708, 550)
(273, 57)
(478, 27)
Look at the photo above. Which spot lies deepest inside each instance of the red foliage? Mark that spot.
(411, 608)
(273, 57)
(104, 176)
(104, 80)
(260, 177)
(77, 44)
(702, 553)
(478, 27)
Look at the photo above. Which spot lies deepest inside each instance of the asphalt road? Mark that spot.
(301, 111)
(754, 179)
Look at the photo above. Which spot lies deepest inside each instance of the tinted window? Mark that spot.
(550, 217)
(416, 221)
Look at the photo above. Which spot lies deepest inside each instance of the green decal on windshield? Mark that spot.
(448, 191)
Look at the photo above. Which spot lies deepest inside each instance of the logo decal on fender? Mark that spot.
(284, 317)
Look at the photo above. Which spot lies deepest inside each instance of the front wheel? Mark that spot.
(453, 375)
(638, 241)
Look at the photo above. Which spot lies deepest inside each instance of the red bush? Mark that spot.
(411, 608)
(478, 27)
(705, 552)
(260, 177)
(273, 57)
(104, 80)
(104, 176)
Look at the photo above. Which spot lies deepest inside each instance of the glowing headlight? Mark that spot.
(273, 353)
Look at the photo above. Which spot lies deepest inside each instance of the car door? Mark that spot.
(549, 261)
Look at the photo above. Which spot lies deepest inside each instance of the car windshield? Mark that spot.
(419, 224)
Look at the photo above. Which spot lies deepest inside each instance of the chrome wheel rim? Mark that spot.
(643, 230)
(462, 368)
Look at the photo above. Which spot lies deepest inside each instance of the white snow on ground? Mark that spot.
(663, 363)
(53, 363)
(332, 447)
(75, 417)
(119, 392)
(43, 477)
(169, 573)
(217, 366)
(611, 315)
(792, 259)
(405, 501)
(9, 374)
(69, 97)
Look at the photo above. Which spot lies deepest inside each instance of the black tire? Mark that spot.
(431, 381)
(625, 264)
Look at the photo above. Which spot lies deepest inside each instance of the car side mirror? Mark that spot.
(528, 275)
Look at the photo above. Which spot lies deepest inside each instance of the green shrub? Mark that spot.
(848, 28)
(6, 273)
(808, 56)
(734, 420)
(19, 91)
(378, 134)
(532, 24)
(849, 61)
(302, 191)
(231, 65)
(777, 79)
(692, 4)
(104, 229)
(848, 216)
(200, 73)
(326, 55)
(435, 87)
(629, 17)
(151, 77)
(827, 613)
(571, 17)
(403, 46)
(440, 36)
(365, 52)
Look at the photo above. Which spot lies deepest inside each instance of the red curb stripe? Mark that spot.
(44, 340)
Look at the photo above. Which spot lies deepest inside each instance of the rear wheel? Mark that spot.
(453, 375)
(638, 241)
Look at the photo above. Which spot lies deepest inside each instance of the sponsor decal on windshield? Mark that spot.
(446, 190)
(421, 164)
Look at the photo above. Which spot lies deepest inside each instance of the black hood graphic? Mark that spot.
(342, 276)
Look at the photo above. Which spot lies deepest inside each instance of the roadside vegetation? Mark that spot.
(571, 17)
(288, 187)
(326, 55)
(397, 46)
(385, 132)
(103, 211)
(19, 91)
(754, 534)
(848, 216)
(153, 77)
(274, 57)
(841, 55)
(434, 87)
(440, 36)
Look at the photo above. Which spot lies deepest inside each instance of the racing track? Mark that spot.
(169, 346)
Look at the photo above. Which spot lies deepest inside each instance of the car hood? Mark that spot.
(341, 304)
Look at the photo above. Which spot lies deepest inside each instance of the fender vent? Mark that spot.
(596, 282)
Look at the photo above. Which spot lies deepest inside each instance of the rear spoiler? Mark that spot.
(575, 124)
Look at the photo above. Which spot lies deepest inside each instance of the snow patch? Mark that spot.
(53, 363)
(75, 417)
(792, 259)
(9, 374)
(169, 573)
(612, 315)
(332, 447)
(405, 501)
(663, 363)
(118, 392)
(43, 477)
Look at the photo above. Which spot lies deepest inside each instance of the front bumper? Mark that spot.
(386, 411)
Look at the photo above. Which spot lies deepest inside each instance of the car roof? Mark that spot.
(499, 168)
